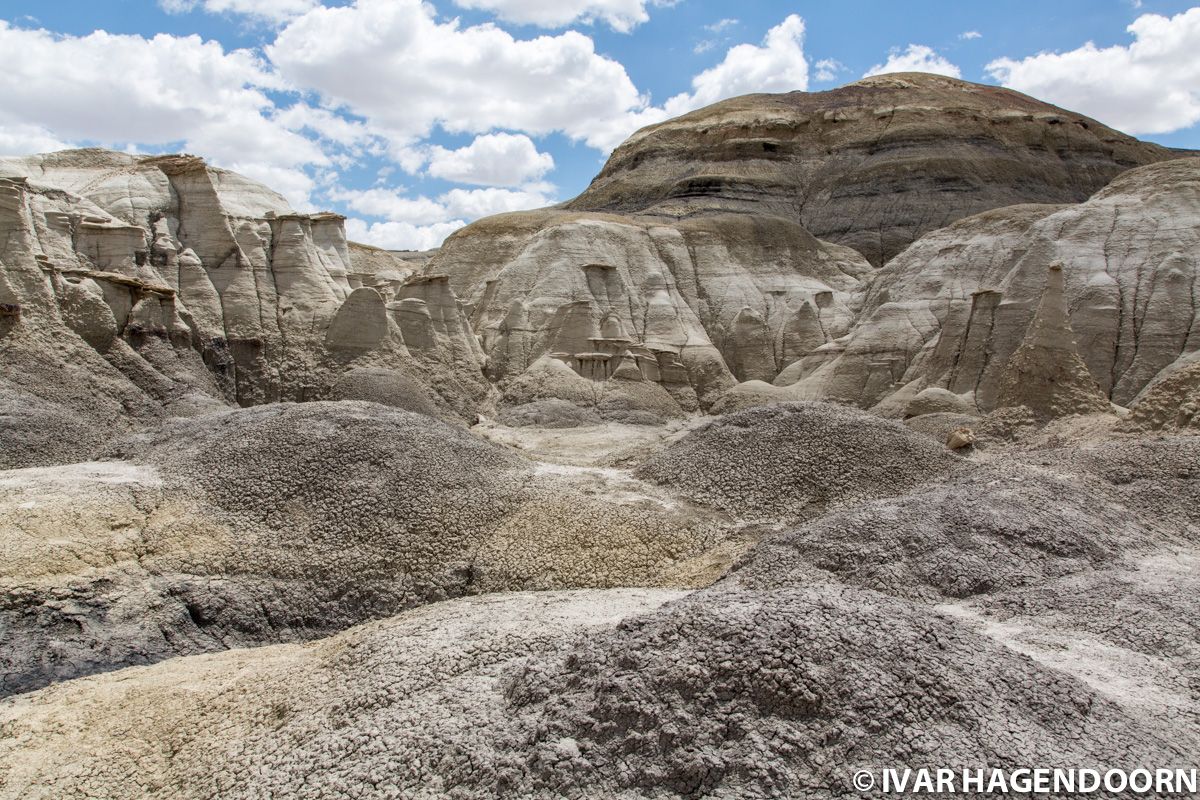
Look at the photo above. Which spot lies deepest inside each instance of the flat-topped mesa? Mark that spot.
(873, 165)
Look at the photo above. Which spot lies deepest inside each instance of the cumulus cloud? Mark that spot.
(419, 223)
(496, 159)
(171, 90)
(425, 73)
(777, 65)
(394, 64)
(336, 128)
(967, 35)
(264, 10)
(621, 15)
(476, 203)
(392, 205)
(1149, 86)
(917, 58)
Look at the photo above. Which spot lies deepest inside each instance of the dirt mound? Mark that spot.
(792, 460)
(788, 693)
(991, 530)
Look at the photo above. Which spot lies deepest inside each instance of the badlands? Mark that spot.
(824, 432)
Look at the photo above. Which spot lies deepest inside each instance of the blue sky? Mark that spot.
(414, 118)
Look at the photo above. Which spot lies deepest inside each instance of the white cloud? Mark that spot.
(400, 235)
(970, 35)
(476, 203)
(917, 58)
(21, 140)
(119, 89)
(393, 206)
(394, 64)
(495, 159)
(326, 124)
(421, 223)
(264, 10)
(621, 15)
(828, 69)
(721, 24)
(777, 65)
(1149, 86)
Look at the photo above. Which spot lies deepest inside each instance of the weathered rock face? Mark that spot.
(163, 278)
(683, 308)
(952, 310)
(873, 165)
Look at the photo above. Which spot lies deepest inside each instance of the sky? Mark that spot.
(414, 118)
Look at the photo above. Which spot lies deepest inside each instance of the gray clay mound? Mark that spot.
(36, 432)
(290, 522)
(548, 413)
(387, 387)
(1152, 609)
(790, 461)
(1160, 476)
(785, 694)
(373, 492)
(939, 425)
(990, 530)
(277, 523)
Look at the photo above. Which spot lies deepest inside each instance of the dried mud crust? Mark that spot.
(789, 461)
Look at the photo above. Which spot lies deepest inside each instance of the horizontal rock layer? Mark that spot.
(873, 165)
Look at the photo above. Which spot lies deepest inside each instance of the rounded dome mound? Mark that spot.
(992, 530)
(788, 461)
(362, 482)
(388, 387)
(815, 683)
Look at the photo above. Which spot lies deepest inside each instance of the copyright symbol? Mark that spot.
(864, 781)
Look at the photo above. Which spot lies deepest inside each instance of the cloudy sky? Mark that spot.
(413, 118)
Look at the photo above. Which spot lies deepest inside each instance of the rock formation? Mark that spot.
(689, 307)
(336, 597)
(873, 165)
(951, 310)
(163, 285)
(1045, 374)
(1172, 399)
